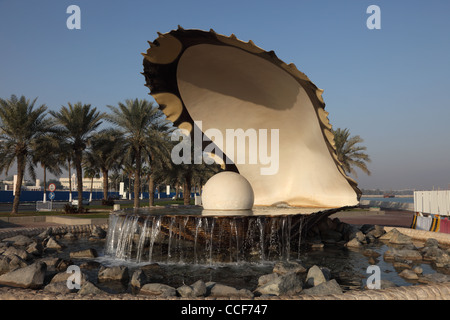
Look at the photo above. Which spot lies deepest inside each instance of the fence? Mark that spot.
(49, 205)
(432, 202)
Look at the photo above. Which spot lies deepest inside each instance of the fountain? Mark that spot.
(209, 85)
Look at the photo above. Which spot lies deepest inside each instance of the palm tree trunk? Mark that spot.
(70, 181)
(187, 190)
(45, 184)
(79, 169)
(151, 191)
(20, 173)
(137, 178)
(105, 184)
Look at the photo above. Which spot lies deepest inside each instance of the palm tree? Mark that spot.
(349, 153)
(77, 123)
(46, 152)
(134, 119)
(105, 152)
(20, 125)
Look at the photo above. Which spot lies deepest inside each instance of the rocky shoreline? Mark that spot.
(29, 269)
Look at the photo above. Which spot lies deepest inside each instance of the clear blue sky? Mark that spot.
(389, 86)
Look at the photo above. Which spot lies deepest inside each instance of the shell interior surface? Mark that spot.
(282, 142)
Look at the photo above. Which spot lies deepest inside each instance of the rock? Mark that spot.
(317, 276)
(325, 288)
(116, 273)
(19, 240)
(284, 267)
(387, 236)
(402, 254)
(387, 284)
(70, 236)
(366, 228)
(31, 276)
(275, 284)
(402, 264)
(90, 265)
(330, 236)
(87, 253)
(98, 232)
(349, 232)
(418, 270)
(354, 243)
(59, 287)
(35, 249)
(138, 279)
(51, 262)
(198, 289)
(220, 290)
(18, 252)
(400, 238)
(10, 263)
(377, 232)
(440, 257)
(45, 234)
(434, 278)
(431, 242)
(317, 246)
(158, 289)
(371, 253)
(408, 274)
(89, 288)
(53, 244)
(266, 278)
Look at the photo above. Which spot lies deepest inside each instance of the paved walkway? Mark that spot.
(390, 218)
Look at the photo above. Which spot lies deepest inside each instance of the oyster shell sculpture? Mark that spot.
(208, 82)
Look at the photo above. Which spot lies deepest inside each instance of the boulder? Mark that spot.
(158, 289)
(19, 240)
(354, 243)
(431, 242)
(89, 288)
(31, 276)
(138, 279)
(58, 284)
(376, 232)
(35, 249)
(316, 276)
(10, 263)
(220, 290)
(400, 238)
(325, 288)
(198, 289)
(70, 236)
(402, 254)
(434, 278)
(371, 253)
(87, 253)
(116, 273)
(284, 267)
(409, 274)
(23, 254)
(98, 232)
(53, 244)
(275, 284)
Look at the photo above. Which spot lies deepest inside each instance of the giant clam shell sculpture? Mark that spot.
(224, 83)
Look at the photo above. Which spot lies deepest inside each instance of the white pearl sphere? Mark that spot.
(227, 190)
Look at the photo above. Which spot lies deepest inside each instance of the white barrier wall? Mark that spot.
(434, 202)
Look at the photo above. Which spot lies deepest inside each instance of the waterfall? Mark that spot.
(202, 240)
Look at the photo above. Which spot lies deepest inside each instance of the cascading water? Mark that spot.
(201, 239)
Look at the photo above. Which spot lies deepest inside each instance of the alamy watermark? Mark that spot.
(234, 143)
(74, 280)
(74, 20)
(374, 280)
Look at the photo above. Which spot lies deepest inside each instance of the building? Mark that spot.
(97, 183)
